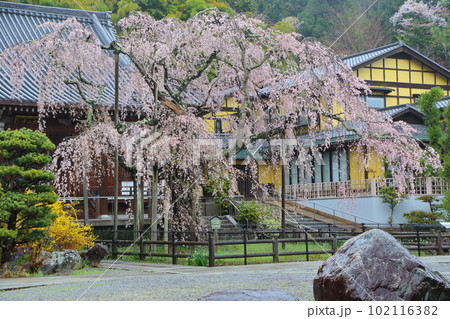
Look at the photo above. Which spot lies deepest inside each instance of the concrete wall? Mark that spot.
(364, 208)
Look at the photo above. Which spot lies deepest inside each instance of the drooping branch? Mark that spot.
(200, 70)
(148, 79)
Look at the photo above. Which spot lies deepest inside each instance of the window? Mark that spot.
(218, 126)
(377, 102)
(333, 167)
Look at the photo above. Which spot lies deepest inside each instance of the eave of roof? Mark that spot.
(443, 102)
(397, 110)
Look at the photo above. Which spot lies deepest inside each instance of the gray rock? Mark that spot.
(249, 295)
(375, 266)
(61, 261)
(94, 255)
(15, 268)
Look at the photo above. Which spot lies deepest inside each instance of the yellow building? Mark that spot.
(396, 75)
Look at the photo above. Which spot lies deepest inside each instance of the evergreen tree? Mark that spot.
(427, 104)
(24, 192)
(246, 6)
(438, 132)
(390, 195)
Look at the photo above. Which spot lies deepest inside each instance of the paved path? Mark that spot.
(143, 281)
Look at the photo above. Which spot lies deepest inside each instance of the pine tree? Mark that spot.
(24, 192)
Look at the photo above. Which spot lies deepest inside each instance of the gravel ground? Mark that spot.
(150, 282)
(175, 285)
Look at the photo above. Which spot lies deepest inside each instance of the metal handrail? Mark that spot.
(340, 211)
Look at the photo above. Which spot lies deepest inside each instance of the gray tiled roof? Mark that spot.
(360, 58)
(18, 23)
(394, 110)
(443, 103)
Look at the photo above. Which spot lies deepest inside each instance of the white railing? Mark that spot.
(368, 187)
(337, 213)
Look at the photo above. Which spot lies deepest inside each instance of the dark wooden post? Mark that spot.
(418, 239)
(245, 247)
(275, 250)
(334, 243)
(114, 243)
(211, 248)
(439, 250)
(141, 245)
(174, 249)
(306, 245)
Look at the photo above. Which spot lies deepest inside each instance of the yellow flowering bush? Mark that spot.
(66, 232)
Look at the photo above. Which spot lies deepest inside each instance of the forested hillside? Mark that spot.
(330, 21)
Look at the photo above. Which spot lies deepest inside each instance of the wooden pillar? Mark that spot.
(116, 152)
(283, 194)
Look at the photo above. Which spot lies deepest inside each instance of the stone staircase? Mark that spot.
(298, 216)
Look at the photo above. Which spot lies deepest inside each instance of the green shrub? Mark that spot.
(198, 259)
(220, 189)
(258, 214)
(422, 217)
(446, 205)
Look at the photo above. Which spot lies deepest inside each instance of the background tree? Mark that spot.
(178, 72)
(424, 26)
(360, 37)
(24, 192)
(243, 6)
(432, 201)
(437, 122)
(391, 196)
(446, 205)
(444, 142)
(427, 104)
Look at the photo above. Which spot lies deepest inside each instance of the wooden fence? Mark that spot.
(184, 244)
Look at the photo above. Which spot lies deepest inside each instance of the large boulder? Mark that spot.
(94, 255)
(375, 266)
(249, 295)
(58, 261)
